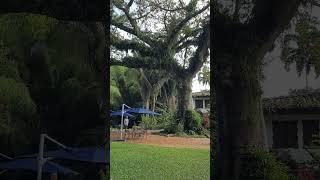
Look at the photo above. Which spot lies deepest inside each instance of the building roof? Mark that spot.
(203, 93)
(309, 100)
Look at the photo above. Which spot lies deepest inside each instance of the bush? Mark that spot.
(262, 165)
(193, 121)
(148, 122)
(166, 120)
(206, 121)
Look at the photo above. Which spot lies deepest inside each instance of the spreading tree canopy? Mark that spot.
(165, 35)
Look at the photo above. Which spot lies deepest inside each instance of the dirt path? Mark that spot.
(182, 142)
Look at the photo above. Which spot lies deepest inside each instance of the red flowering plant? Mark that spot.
(206, 121)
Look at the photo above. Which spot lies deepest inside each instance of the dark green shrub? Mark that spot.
(193, 121)
(148, 122)
(166, 120)
(262, 165)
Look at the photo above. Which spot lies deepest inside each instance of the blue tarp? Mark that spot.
(141, 111)
(31, 164)
(118, 113)
(85, 154)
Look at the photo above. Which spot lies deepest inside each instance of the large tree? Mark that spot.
(169, 35)
(244, 31)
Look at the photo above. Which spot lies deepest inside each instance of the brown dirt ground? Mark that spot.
(165, 141)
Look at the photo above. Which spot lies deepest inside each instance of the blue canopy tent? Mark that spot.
(86, 154)
(31, 164)
(128, 110)
(142, 111)
(119, 113)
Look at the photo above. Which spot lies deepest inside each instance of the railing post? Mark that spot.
(40, 156)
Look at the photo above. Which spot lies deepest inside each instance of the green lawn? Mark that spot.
(133, 161)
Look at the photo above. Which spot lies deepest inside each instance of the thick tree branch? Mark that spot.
(144, 77)
(236, 10)
(270, 20)
(130, 3)
(202, 52)
(186, 44)
(174, 33)
(147, 63)
(129, 30)
(131, 45)
(80, 10)
(193, 34)
(135, 28)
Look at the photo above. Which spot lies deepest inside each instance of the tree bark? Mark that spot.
(184, 98)
(171, 98)
(99, 34)
(239, 116)
(146, 102)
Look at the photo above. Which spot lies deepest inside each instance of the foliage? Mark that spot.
(17, 108)
(124, 87)
(15, 98)
(193, 122)
(46, 79)
(149, 122)
(263, 165)
(302, 47)
(315, 142)
(171, 36)
(115, 96)
(167, 118)
(204, 75)
(133, 161)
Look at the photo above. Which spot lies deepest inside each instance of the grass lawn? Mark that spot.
(134, 161)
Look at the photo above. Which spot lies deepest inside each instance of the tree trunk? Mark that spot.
(146, 102)
(99, 32)
(172, 103)
(184, 98)
(307, 83)
(153, 101)
(239, 116)
(171, 98)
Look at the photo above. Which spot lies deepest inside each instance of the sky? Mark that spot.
(197, 87)
(278, 81)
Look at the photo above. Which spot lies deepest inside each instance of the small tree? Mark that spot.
(302, 47)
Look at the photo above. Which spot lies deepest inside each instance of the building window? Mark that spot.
(310, 132)
(285, 134)
(198, 104)
(207, 104)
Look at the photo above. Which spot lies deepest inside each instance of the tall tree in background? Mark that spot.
(125, 87)
(302, 47)
(169, 35)
(204, 75)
